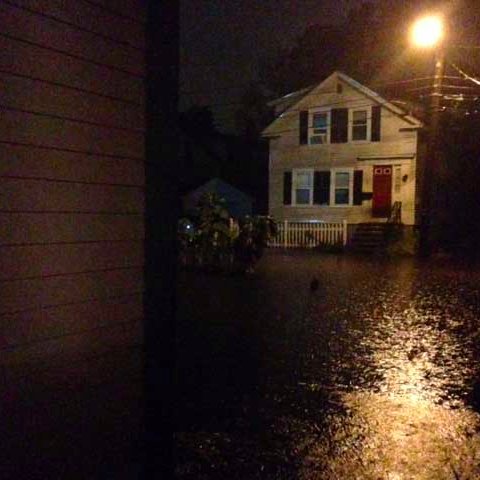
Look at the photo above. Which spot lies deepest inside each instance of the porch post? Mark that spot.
(285, 233)
(345, 231)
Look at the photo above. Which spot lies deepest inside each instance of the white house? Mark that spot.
(339, 151)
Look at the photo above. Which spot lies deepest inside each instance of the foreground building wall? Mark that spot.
(71, 194)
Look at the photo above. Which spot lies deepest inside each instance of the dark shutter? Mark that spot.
(321, 188)
(376, 122)
(357, 187)
(303, 121)
(287, 188)
(339, 132)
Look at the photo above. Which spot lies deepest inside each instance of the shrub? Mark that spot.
(253, 237)
(212, 240)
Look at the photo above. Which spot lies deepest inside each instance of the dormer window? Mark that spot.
(319, 128)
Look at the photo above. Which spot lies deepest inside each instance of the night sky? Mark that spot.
(222, 42)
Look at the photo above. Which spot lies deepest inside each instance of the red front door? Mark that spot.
(382, 191)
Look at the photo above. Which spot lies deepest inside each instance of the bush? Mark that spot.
(212, 240)
(254, 234)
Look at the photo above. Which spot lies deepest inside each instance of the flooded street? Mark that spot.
(374, 375)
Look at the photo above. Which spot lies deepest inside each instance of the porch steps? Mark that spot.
(368, 238)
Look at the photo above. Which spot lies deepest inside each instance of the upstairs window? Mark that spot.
(359, 125)
(319, 129)
(339, 125)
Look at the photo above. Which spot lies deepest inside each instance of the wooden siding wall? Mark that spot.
(71, 193)
(286, 154)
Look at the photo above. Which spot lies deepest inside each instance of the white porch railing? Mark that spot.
(309, 234)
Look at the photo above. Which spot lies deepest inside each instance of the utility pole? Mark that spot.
(431, 164)
(427, 33)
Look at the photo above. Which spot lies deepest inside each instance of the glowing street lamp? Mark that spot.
(428, 32)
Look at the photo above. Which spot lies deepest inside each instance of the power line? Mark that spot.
(427, 87)
(404, 81)
(465, 75)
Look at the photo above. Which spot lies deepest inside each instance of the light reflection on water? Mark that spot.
(396, 436)
(405, 415)
(417, 358)
(375, 376)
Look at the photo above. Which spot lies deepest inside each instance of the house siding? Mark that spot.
(286, 154)
(71, 194)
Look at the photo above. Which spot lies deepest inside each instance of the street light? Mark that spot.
(428, 32)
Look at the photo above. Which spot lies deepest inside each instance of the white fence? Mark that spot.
(309, 234)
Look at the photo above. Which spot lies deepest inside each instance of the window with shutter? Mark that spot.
(303, 186)
(342, 188)
(359, 125)
(319, 132)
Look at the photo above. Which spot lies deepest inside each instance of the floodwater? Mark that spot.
(375, 375)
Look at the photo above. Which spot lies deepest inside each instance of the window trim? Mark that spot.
(369, 124)
(296, 171)
(311, 113)
(334, 171)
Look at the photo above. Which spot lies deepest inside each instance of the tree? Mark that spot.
(253, 115)
(371, 46)
(198, 121)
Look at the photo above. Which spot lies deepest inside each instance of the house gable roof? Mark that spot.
(283, 103)
(300, 95)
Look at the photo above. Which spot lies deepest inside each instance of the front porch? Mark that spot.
(366, 235)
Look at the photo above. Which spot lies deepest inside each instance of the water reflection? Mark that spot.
(415, 356)
(387, 436)
(405, 415)
(374, 376)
